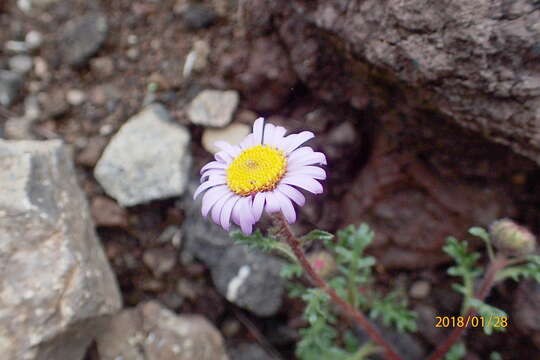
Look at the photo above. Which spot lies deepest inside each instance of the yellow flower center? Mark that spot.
(255, 170)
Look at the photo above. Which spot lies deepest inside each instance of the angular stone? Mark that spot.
(232, 134)
(82, 37)
(147, 159)
(151, 332)
(57, 287)
(213, 107)
(10, 84)
(250, 279)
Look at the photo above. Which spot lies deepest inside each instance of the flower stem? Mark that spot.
(347, 308)
(498, 263)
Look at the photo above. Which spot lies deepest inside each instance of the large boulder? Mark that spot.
(475, 62)
(57, 287)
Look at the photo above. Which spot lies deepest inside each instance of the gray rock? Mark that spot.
(81, 38)
(57, 287)
(198, 16)
(249, 351)
(10, 85)
(470, 62)
(232, 134)
(21, 64)
(147, 159)
(33, 5)
(213, 107)
(250, 279)
(151, 332)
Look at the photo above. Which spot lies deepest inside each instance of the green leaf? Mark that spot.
(257, 241)
(394, 311)
(288, 271)
(479, 232)
(319, 235)
(490, 314)
(530, 269)
(456, 352)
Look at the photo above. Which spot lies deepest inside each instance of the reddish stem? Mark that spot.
(487, 284)
(352, 313)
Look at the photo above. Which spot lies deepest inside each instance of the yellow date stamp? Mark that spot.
(472, 321)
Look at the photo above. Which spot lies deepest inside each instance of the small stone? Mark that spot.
(33, 40)
(18, 128)
(75, 97)
(213, 107)
(54, 103)
(420, 289)
(21, 64)
(16, 46)
(41, 68)
(150, 331)
(249, 351)
(82, 37)
(10, 85)
(232, 134)
(91, 152)
(102, 65)
(133, 54)
(250, 280)
(198, 16)
(160, 261)
(132, 39)
(33, 5)
(147, 159)
(197, 59)
(106, 212)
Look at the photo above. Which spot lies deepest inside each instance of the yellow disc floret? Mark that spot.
(256, 169)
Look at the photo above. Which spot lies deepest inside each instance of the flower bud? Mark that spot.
(323, 263)
(510, 238)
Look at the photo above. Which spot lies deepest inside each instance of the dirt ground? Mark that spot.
(383, 171)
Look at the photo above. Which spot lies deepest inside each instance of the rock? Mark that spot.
(151, 332)
(250, 280)
(57, 287)
(103, 66)
(106, 212)
(10, 85)
(75, 97)
(29, 5)
(90, 154)
(469, 62)
(160, 260)
(249, 351)
(33, 40)
(81, 38)
(420, 289)
(213, 107)
(19, 128)
(147, 159)
(21, 64)
(198, 16)
(233, 134)
(197, 59)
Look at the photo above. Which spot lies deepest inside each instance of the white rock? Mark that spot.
(197, 59)
(213, 107)
(33, 40)
(75, 97)
(51, 258)
(21, 64)
(147, 159)
(233, 134)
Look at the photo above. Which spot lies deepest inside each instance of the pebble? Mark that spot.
(33, 40)
(81, 38)
(10, 86)
(198, 16)
(232, 134)
(197, 59)
(21, 64)
(106, 212)
(160, 260)
(420, 289)
(213, 107)
(75, 97)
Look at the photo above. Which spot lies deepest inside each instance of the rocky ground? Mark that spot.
(119, 103)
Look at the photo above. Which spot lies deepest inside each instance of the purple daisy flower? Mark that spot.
(264, 172)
